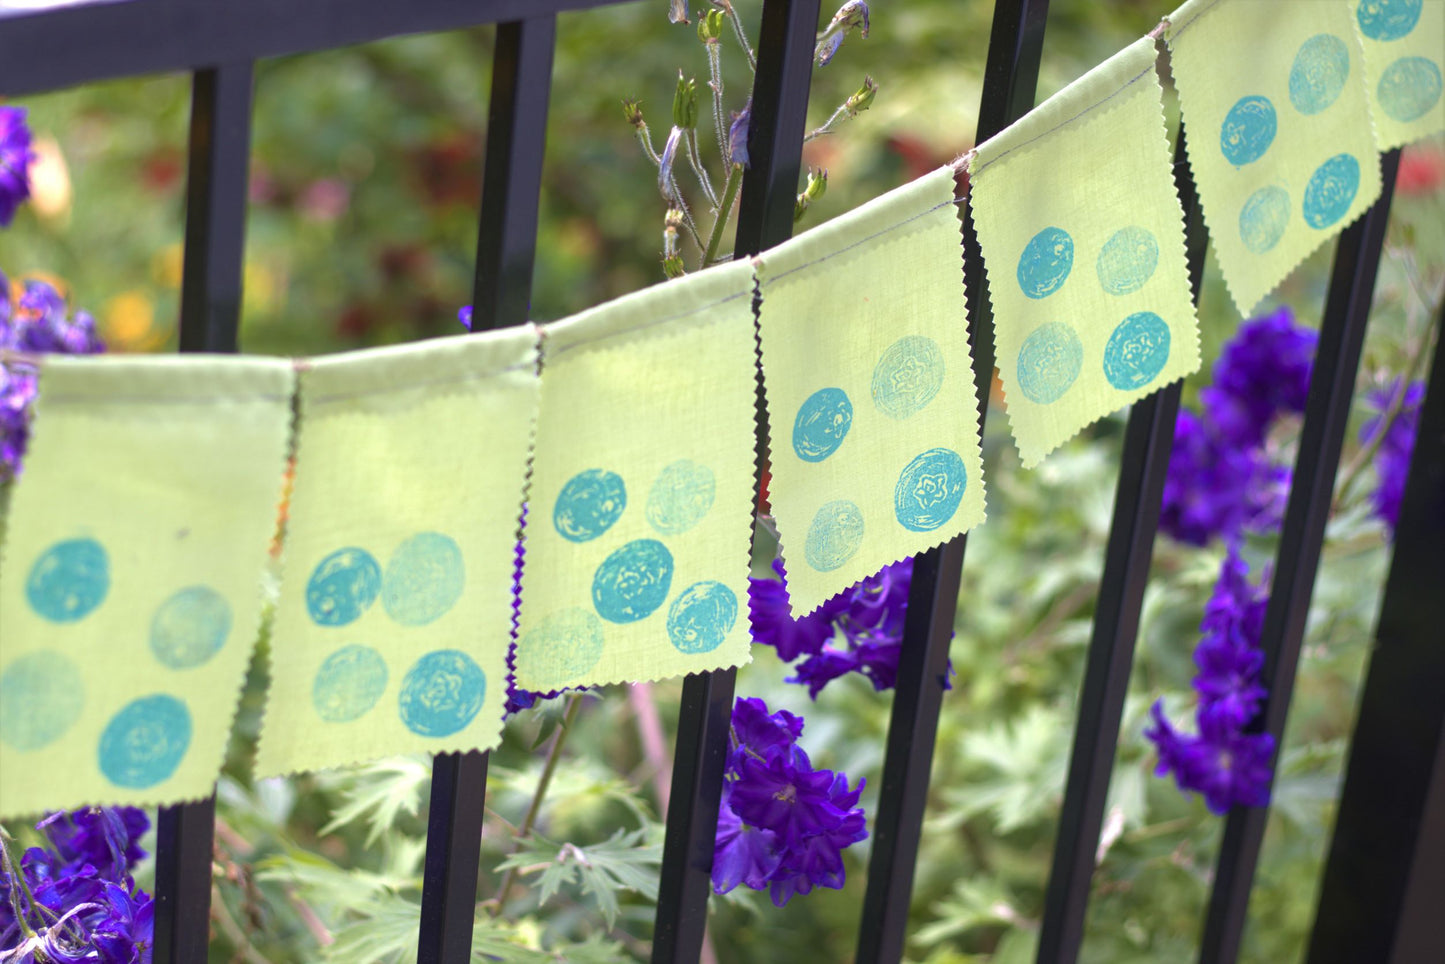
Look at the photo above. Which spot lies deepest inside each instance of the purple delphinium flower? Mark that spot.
(772, 626)
(1264, 370)
(15, 160)
(1392, 458)
(1227, 766)
(107, 838)
(464, 315)
(738, 135)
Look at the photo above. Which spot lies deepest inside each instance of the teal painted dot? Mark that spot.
(834, 536)
(822, 424)
(190, 627)
(1263, 218)
(681, 496)
(1127, 260)
(441, 693)
(701, 618)
(1248, 130)
(632, 582)
(1045, 264)
(41, 696)
(424, 579)
(907, 376)
(1318, 75)
(1049, 361)
(589, 504)
(342, 587)
(348, 684)
(562, 647)
(143, 744)
(1387, 20)
(1136, 351)
(929, 490)
(1331, 190)
(69, 580)
(1408, 88)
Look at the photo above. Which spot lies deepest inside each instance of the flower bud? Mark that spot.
(632, 110)
(684, 103)
(817, 184)
(665, 182)
(863, 99)
(678, 13)
(854, 13)
(710, 26)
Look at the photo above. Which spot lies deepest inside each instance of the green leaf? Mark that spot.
(377, 793)
(621, 862)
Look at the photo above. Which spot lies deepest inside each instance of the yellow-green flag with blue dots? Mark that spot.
(1404, 44)
(131, 583)
(1083, 239)
(394, 619)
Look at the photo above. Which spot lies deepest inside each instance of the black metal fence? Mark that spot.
(1382, 898)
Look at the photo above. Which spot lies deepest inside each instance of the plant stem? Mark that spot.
(724, 213)
(695, 159)
(644, 137)
(715, 84)
(827, 127)
(13, 873)
(732, 15)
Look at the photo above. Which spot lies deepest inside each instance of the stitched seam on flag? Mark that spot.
(644, 326)
(860, 241)
(1176, 34)
(387, 390)
(73, 399)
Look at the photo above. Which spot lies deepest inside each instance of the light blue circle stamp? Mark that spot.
(929, 490)
(1127, 260)
(562, 647)
(701, 617)
(41, 696)
(680, 497)
(908, 376)
(143, 744)
(424, 579)
(1050, 359)
(1408, 88)
(1331, 190)
(1046, 262)
(834, 536)
(1387, 20)
(441, 693)
(348, 684)
(342, 587)
(589, 504)
(1136, 351)
(190, 627)
(1248, 130)
(69, 580)
(1318, 75)
(632, 582)
(822, 424)
(1263, 218)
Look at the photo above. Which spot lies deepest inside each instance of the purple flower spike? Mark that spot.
(1392, 458)
(15, 160)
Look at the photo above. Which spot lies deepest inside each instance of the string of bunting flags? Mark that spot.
(134, 571)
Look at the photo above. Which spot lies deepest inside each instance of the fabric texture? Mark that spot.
(1404, 43)
(131, 584)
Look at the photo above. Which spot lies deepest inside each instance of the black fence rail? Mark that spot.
(1383, 889)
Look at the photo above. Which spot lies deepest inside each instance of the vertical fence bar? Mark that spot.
(1384, 880)
(501, 296)
(1148, 441)
(1327, 409)
(215, 250)
(1010, 80)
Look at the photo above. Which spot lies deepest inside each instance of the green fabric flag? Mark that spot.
(1084, 181)
(874, 437)
(394, 620)
(641, 503)
(131, 584)
(1404, 66)
(1280, 143)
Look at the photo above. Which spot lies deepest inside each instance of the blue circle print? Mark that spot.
(424, 579)
(1408, 88)
(348, 684)
(41, 697)
(562, 647)
(822, 424)
(1263, 218)
(1331, 190)
(1045, 264)
(632, 582)
(1319, 73)
(834, 536)
(701, 617)
(681, 496)
(441, 693)
(143, 744)
(907, 376)
(1127, 260)
(589, 504)
(69, 580)
(1050, 358)
(1387, 20)
(190, 627)
(1248, 130)
(342, 587)
(929, 490)
(1136, 352)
